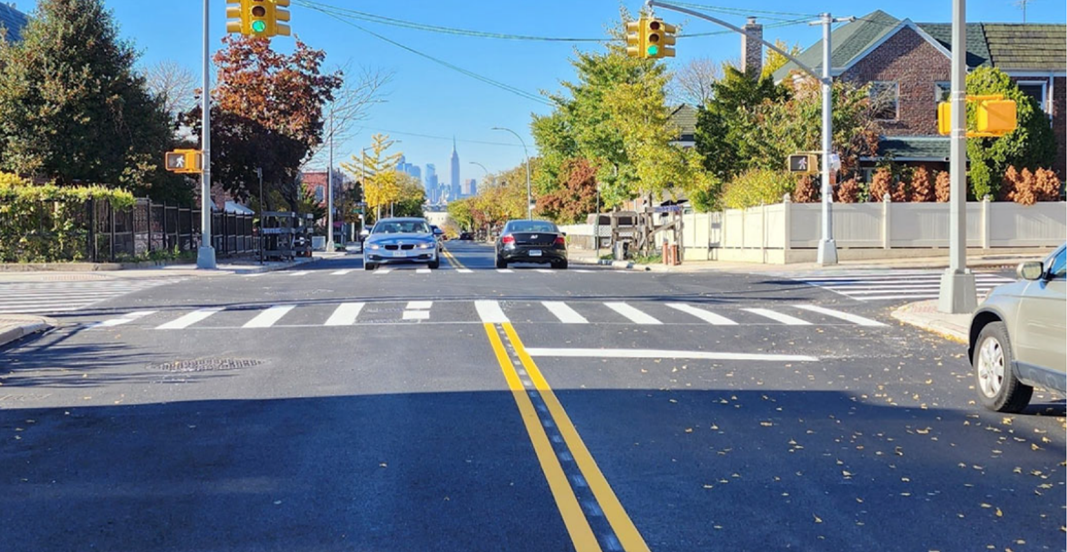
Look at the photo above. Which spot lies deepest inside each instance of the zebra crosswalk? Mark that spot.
(422, 270)
(51, 297)
(892, 285)
(639, 313)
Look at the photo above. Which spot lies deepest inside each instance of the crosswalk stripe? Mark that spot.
(779, 317)
(583, 271)
(505, 271)
(564, 313)
(490, 312)
(189, 319)
(464, 270)
(631, 313)
(381, 271)
(341, 272)
(423, 271)
(269, 317)
(125, 319)
(707, 316)
(345, 314)
(855, 319)
(420, 305)
(544, 271)
(256, 275)
(416, 315)
(300, 273)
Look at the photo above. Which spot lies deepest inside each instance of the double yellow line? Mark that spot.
(452, 260)
(574, 518)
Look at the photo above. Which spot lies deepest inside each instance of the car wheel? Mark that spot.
(501, 263)
(369, 266)
(998, 388)
(561, 265)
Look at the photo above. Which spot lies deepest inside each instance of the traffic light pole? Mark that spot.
(957, 294)
(329, 193)
(205, 254)
(827, 253)
(529, 192)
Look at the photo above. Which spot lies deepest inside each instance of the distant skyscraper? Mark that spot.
(456, 190)
(470, 188)
(430, 183)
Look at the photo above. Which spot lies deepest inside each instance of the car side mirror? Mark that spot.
(564, 234)
(1030, 270)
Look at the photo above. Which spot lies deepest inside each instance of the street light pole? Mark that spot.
(529, 194)
(957, 294)
(329, 193)
(262, 210)
(205, 254)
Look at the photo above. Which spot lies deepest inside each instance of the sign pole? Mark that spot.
(205, 254)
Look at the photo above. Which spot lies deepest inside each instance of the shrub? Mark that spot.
(880, 184)
(806, 191)
(901, 192)
(757, 186)
(980, 181)
(921, 187)
(1047, 185)
(848, 192)
(1009, 184)
(1025, 194)
(942, 187)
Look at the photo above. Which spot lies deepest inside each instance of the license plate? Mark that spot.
(399, 254)
(535, 252)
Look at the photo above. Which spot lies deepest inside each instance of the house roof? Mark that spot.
(1033, 47)
(685, 118)
(14, 21)
(913, 148)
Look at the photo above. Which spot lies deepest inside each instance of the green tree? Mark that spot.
(774, 61)
(411, 196)
(377, 169)
(460, 212)
(1031, 145)
(72, 107)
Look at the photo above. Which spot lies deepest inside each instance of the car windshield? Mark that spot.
(532, 226)
(401, 227)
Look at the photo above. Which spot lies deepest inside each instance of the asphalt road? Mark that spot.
(329, 408)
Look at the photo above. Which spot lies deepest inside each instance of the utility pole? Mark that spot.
(329, 193)
(262, 210)
(205, 254)
(529, 194)
(957, 294)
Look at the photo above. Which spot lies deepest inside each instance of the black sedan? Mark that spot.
(531, 241)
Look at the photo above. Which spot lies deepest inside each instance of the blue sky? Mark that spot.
(429, 99)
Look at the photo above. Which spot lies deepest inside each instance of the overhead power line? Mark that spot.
(445, 138)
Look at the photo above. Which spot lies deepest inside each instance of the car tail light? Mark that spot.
(507, 239)
(560, 240)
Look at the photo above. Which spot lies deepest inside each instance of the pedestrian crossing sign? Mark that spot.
(804, 163)
(184, 161)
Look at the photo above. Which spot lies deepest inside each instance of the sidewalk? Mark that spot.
(16, 326)
(925, 315)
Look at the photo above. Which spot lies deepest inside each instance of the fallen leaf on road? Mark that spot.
(999, 513)
(817, 519)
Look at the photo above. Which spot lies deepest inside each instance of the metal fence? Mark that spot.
(148, 227)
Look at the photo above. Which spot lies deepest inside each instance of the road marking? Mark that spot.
(419, 305)
(664, 354)
(583, 271)
(490, 312)
(417, 315)
(125, 319)
(505, 270)
(189, 319)
(345, 314)
(341, 272)
(709, 317)
(573, 519)
(545, 271)
(300, 273)
(779, 317)
(464, 270)
(634, 315)
(841, 315)
(609, 504)
(383, 271)
(565, 314)
(422, 271)
(256, 275)
(268, 317)
(452, 260)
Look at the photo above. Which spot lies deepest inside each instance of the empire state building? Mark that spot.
(455, 183)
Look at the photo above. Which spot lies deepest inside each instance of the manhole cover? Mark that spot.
(205, 365)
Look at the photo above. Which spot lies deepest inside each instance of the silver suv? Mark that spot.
(1018, 336)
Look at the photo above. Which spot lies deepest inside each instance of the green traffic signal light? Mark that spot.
(259, 26)
(653, 50)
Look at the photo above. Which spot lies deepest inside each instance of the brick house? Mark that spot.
(909, 67)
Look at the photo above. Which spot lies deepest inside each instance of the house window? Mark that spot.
(1036, 90)
(885, 98)
(942, 91)
(320, 193)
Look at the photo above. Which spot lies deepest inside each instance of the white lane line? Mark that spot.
(125, 319)
(634, 315)
(269, 317)
(419, 305)
(423, 271)
(859, 320)
(256, 275)
(189, 319)
(383, 270)
(464, 270)
(544, 271)
(779, 317)
(583, 271)
(664, 354)
(300, 273)
(490, 312)
(417, 315)
(345, 314)
(709, 317)
(565, 314)
(505, 270)
(341, 272)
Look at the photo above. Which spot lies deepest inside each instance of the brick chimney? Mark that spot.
(752, 48)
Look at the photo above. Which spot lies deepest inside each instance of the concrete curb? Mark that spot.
(621, 265)
(931, 323)
(16, 333)
(273, 268)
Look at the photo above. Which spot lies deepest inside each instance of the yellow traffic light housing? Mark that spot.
(659, 37)
(635, 38)
(276, 12)
(995, 117)
(258, 17)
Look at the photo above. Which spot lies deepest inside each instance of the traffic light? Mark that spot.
(658, 39)
(258, 17)
(635, 37)
(996, 117)
(184, 161)
(944, 118)
(803, 163)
